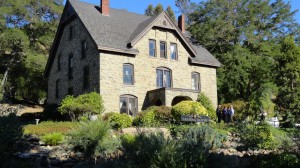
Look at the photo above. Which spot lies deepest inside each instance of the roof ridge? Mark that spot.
(123, 10)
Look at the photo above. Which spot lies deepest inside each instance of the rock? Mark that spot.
(24, 156)
(240, 154)
(41, 143)
(226, 152)
(49, 147)
(231, 150)
(33, 151)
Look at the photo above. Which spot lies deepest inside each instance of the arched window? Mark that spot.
(129, 105)
(128, 74)
(163, 78)
(195, 81)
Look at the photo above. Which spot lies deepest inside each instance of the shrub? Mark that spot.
(53, 138)
(119, 121)
(146, 118)
(258, 136)
(10, 133)
(187, 108)
(49, 127)
(207, 103)
(163, 114)
(158, 150)
(106, 116)
(93, 139)
(90, 103)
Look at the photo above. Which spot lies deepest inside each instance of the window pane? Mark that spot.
(132, 106)
(174, 51)
(152, 48)
(195, 81)
(123, 105)
(127, 74)
(163, 50)
(167, 75)
(159, 78)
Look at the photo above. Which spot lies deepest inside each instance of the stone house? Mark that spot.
(134, 61)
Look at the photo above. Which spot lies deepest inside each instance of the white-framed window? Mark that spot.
(152, 48)
(195, 81)
(163, 78)
(128, 74)
(129, 105)
(174, 53)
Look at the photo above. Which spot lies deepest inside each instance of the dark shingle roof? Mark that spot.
(120, 27)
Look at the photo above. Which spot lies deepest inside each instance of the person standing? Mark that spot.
(219, 113)
(232, 113)
(224, 114)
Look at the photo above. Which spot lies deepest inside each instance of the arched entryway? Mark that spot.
(179, 99)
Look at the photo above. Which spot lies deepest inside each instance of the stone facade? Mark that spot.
(106, 70)
(66, 47)
(111, 72)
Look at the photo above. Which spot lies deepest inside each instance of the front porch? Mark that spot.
(168, 96)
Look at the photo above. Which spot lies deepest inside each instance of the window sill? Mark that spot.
(128, 85)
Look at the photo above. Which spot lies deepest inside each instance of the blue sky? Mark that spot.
(139, 6)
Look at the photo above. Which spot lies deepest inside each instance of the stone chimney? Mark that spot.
(181, 23)
(104, 6)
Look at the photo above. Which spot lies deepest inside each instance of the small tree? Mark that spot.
(90, 103)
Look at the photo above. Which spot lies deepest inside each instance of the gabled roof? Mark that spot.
(119, 31)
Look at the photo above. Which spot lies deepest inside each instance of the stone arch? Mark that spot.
(179, 99)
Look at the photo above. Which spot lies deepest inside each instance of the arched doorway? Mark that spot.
(158, 102)
(179, 99)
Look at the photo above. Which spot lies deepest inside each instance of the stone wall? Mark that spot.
(111, 71)
(66, 47)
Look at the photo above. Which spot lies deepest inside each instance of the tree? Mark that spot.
(27, 31)
(170, 12)
(149, 11)
(158, 9)
(288, 76)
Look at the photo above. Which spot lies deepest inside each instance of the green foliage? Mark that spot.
(264, 136)
(10, 133)
(149, 11)
(27, 30)
(49, 127)
(53, 138)
(163, 114)
(90, 103)
(170, 12)
(146, 118)
(285, 159)
(288, 77)
(207, 103)
(119, 121)
(94, 139)
(187, 108)
(158, 9)
(158, 150)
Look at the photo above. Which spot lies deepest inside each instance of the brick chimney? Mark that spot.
(104, 6)
(181, 23)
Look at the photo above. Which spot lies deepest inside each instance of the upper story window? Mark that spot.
(163, 49)
(152, 48)
(128, 74)
(174, 53)
(59, 62)
(86, 77)
(57, 83)
(70, 67)
(195, 81)
(129, 105)
(163, 77)
(83, 49)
